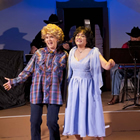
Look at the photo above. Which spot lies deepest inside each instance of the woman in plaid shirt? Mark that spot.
(46, 67)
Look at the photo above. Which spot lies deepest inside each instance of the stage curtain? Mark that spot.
(11, 64)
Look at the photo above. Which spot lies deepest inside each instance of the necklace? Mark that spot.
(80, 51)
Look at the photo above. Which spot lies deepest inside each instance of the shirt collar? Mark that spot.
(49, 51)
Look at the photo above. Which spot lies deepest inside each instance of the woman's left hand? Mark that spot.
(111, 63)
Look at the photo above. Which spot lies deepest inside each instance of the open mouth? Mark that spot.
(79, 41)
(50, 43)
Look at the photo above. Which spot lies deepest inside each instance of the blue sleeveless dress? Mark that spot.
(84, 113)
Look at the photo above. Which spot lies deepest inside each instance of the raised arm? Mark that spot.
(107, 65)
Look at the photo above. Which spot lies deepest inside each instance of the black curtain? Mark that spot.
(11, 64)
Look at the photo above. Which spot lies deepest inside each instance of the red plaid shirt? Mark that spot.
(47, 74)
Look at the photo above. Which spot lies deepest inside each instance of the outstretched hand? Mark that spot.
(107, 65)
(111, 62)
(7, 85)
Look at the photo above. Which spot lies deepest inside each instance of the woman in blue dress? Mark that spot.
(84, 113)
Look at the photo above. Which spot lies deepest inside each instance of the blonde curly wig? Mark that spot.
(53, 30)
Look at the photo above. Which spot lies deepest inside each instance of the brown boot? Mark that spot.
(114, 100)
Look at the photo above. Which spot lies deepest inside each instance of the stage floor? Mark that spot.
(24, 111)
(106, 97)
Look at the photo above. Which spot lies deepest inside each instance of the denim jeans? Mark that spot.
(116, 80)
(117, 75)
(52, 118)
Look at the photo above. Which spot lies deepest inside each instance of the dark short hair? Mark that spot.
(89, 36)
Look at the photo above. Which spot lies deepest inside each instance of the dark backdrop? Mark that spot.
(11, 64)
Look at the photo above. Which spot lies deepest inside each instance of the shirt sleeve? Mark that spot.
(63, 60)
(125, 45)
(27, 71)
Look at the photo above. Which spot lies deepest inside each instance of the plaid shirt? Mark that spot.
(46, 69)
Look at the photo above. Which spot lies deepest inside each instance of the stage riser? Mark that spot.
(19, 127)
(123, 120)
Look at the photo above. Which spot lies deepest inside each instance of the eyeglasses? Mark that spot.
(80, 35)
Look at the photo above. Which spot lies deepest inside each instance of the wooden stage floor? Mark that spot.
(124, 123)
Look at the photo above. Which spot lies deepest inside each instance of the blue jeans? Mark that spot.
(117, 76)
(116, 79)
(52, 118)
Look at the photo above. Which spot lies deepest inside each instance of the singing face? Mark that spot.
(80, 40)
(51, 41)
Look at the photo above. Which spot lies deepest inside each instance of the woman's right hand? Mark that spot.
(7, 85)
